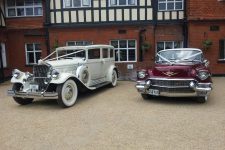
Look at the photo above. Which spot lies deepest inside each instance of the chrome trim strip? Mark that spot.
(205, 84)
(194, 94)
(197, 91)
(45, 95)
(140, 86)
(179, 79)
(140, 82)
(171, 87)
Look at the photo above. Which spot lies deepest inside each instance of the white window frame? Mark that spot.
(75, 43)
(113, 3)
(4, 59)
(164, 44)
(88, 4)
(118, 50)
(34, 52)
(174, 1)
(24, 8)
(222, 59)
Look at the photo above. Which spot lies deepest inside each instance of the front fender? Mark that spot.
(110, 71)
(20, 80)
(62, 78)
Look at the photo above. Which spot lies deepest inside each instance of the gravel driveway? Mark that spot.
(115, 118)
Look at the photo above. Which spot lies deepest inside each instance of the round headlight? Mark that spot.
(55, 74)
(16, 73)
(141, 74)
(203, 75)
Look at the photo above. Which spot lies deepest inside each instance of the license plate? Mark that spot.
(154, 92)
(34, 87)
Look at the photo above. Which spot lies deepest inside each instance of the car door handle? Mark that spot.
(103, 61)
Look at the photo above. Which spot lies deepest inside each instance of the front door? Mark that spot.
(95, 66)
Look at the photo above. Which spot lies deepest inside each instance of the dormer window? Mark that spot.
(24, 8)
(170, 5)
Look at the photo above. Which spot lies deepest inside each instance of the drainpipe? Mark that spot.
(47, 24)
(47, 40)
(140, 43)
(185, 26)
(1, 66)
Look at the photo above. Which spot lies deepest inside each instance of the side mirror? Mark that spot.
(206, 62)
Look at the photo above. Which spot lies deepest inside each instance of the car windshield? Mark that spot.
(178, 56)
(69, 54)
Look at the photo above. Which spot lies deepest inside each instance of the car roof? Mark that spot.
(84, 47)
(180, 49)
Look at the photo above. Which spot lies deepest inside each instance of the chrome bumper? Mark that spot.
(203, 89)
(43, 95)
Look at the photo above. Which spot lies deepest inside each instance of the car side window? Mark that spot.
(94, 54)
(105, 53)
(111, 53)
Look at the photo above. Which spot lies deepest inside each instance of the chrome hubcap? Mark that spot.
(113, 77)
(68, 92)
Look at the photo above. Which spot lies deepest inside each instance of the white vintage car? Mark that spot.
(65, 72)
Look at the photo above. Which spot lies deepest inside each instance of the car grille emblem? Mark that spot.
(170, 73)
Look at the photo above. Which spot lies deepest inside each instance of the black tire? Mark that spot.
(202, 99)
(67, 93)
(19, 100)
(114, 79)
(146, 96)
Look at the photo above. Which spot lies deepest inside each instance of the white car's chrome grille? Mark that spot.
(41, 76)
(40, 70)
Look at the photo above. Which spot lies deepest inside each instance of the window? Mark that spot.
(169, 45)
(33, 53)
(21, 8)
(222, 49)
(123, 2)
(94, 54)
(125, 50)
(105, 53)
(76, 3)
(78, 43)
(214, 28)
(80, 53)
(169, 5)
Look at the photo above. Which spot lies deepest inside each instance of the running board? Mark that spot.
(100, 85)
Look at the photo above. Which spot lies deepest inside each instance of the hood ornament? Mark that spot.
(170, 73)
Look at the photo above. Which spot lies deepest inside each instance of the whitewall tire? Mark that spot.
(67, 93)
(114, 78)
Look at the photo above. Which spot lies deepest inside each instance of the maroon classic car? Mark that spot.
(177, 73)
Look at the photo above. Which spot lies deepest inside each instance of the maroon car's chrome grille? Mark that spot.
(170, 83)
(175, 90)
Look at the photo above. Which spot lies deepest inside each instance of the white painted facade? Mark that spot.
(100, 11)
